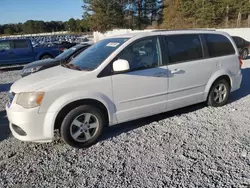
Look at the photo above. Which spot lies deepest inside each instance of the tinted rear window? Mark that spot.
(184, 48)
(219, 45)
(21, 44)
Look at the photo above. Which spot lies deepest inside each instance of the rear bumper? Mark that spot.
(236, 82)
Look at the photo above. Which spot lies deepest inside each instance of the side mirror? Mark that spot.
(3, 50)
(120, 65)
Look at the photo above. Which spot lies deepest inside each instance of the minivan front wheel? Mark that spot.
(82, 126)
(219, 93)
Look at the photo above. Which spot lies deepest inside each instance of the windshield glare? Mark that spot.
(93, 56)
(66, 53)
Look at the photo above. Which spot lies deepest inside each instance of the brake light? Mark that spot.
(62, 49)
(240, 61)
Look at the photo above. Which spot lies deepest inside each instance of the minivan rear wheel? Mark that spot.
(219, 93)
(82, 126)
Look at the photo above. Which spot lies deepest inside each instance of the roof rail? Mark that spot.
(197, 29)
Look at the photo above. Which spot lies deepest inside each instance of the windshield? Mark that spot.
(66, 53)
(93, 56)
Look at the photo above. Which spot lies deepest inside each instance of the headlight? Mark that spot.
(32, 70)
(30, 99)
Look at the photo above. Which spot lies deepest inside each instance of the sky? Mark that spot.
(14, 11)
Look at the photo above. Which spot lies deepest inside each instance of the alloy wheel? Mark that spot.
(84, 127)
(220, 93)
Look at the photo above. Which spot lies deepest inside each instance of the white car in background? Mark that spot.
(123, 78)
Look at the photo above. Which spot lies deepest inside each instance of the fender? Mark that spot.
(215, 76)
(68, 98)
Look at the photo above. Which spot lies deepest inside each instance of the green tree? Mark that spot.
(205, 13)
(71, 25)
(104, 14)
(9, 30)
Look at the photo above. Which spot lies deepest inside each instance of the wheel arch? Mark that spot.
(214, 79)
(43, 54)
(66, 109)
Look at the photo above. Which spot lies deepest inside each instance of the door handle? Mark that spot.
(160, 74)
(175, 71)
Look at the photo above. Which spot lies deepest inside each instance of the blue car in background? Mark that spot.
(20, 51)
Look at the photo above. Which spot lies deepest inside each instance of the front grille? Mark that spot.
(11, 96)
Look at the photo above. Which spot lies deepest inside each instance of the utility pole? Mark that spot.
(227, 16)
(239, 19)
(139, 5)
(249, 16)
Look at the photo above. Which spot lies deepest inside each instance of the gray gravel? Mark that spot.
(197, 146)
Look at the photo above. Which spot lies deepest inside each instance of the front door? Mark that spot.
(141, 91)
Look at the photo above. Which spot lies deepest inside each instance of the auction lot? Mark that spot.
(190, 147)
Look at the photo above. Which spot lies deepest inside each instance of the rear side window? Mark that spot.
(218, 45)
(21, 44)
(4, 45)
(183, 48)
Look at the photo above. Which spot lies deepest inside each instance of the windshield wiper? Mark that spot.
(71, 66)
(87, 69)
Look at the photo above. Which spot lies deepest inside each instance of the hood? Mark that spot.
(44, 62)
(44, 78)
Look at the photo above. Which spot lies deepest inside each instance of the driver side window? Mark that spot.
(143, 54)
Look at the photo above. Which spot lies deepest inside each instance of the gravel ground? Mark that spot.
(197, 146)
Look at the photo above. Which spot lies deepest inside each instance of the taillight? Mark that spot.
(62, 49)
(240, 61)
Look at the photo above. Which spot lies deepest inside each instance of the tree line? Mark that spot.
(36, 26)
(103, 15)
(167, 14)
(206, 13)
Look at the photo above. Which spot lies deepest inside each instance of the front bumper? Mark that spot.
(29, 121)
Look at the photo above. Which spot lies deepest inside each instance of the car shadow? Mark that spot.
(244, 88)
(5, 87)
(4, 126)
(118, 129)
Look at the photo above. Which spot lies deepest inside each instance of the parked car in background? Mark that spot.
(242, 45)
(63, 45)
(123, 78)
(19, 51)
(63, 58)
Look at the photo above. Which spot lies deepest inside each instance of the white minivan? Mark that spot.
(123, 78)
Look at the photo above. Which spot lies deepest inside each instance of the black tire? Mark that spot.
(46, 57)
(245, 54)
(212, 94)
(66, 126)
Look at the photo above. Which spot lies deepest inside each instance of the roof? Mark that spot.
(165, 32)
